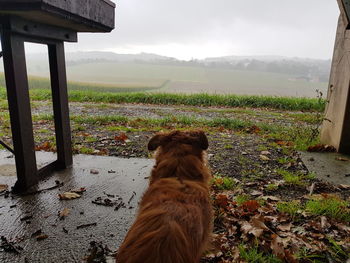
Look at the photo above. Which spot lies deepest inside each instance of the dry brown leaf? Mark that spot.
(323, 222)
(344, 186)
(3, 187)
(78, 190)
(285, 227)
(342, 159)
(94, 171)
(264, 158)
(221, 200)
(258, 222)
(321, 148)
(41, 237)
(64, 213)
(122, 137)
(68, 196)
(256, 193)
(277, 246)
(270, 197)
(251, 205)
(247, 228)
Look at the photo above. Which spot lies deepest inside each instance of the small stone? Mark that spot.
(265, 153)
(244, 153)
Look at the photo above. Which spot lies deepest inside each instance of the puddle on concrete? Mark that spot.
(65, 242)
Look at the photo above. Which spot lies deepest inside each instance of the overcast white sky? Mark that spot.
(203, 28)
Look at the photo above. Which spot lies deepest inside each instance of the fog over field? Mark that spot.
(271, 47)
(248, 75)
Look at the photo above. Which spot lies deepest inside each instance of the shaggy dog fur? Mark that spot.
(175, 214)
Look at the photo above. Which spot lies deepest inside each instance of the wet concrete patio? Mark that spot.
(22, 216)
(330, 167)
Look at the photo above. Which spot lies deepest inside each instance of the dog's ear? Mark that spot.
(201, 140)
(155, 142)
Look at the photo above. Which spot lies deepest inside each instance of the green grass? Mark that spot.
(271, 187)
(290, 208)
(240, 199)
(281, 103)
(297, 135)
(292, 178)
(224, 183)
(331, 206)
(252, 255)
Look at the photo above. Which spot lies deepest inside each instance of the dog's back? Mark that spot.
(174, 220)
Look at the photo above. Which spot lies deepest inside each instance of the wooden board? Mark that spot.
(77, 15)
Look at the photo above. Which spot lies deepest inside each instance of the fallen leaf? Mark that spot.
(3, 187)
(253, 129)
(277, 246)
(221, 200)
(323, 221)
(265, 153)
(78, 190)
(94, 171)
(64, 213)
(247, 228)
(68, 196)
(122, 137)
(270, 197)
(344, 186)
(283, 143)
(321, 148)
(256, 193)
(255, 226)
(251, 205)
(46, 146)
(258, 222)
(41, 237)
(342, 159)
(264, 158)
(285, 227)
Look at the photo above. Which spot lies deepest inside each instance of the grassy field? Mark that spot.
(281, 103)
(190, 79)
(44, 83)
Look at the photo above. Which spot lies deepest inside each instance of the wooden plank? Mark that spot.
(60, 104)
(335, 129)
(39, 30)
(78, 15)
(344, 6)
(19, 107)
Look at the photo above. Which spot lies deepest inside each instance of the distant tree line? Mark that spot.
(306, 69)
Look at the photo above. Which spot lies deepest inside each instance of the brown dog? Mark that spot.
(175, 215)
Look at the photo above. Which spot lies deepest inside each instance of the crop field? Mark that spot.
(44, 83)
(112, 76)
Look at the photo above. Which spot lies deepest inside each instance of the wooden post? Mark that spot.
(19, 107)
(336, 126)
(60, 104)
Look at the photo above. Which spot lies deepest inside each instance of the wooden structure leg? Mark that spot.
(60, 105)
(20, 111)
(336, 127)
(19, 107)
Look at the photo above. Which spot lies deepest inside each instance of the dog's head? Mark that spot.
(195, 139)
(179, 143)
(189, 147)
